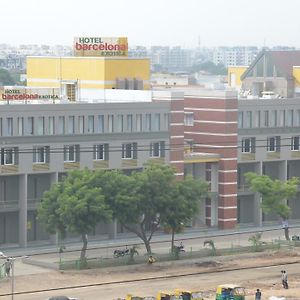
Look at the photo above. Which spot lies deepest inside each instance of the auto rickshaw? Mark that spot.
(168, 296)
(189, 295)
(131, 297)
(230, 292)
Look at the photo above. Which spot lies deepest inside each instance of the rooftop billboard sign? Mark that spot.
(101, 46)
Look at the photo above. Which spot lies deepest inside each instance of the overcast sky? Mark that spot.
(153, 22)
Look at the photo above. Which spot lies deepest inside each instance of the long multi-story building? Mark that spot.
(90, 120)
(40, 142)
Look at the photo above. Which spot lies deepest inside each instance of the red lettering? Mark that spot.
(95, 47)
(78, 46)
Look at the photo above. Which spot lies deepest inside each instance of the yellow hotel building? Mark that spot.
(85, 75)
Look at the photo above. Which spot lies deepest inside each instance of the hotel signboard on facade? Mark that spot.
(15, 93)
(101, 46)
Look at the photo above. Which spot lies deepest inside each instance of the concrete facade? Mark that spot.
(41, 142)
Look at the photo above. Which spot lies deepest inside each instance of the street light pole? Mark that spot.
(12, 277)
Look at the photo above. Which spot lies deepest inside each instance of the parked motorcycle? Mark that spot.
(179, 248)
(295, 238)
(121, 252)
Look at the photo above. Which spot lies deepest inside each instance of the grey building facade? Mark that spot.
(41, 142)
(268, 143)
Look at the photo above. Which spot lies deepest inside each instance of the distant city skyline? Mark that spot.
(169, 22)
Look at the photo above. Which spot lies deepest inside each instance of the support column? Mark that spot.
(257, 200)
(112, 230)
(54, 237)
(23, 211)
(214, 201)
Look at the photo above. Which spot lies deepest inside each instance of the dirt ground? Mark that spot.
(266, 277)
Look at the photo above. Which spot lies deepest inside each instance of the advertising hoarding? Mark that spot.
(101, 46)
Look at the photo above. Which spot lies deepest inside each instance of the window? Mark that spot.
(71, 125)
(156, 122)
(51, 125)
(248, 145)
(157, 149)
(41, 155)
(257, 119)
(273, 120)
(282, 118)
(290, 118)
(20, 126)
(241, 120)
(110, 122)
(298, 117)
(139, 122)
(9, 127)
(71, 153)
(166, 121)
(8, 156)
(91, 127)
(189, 119)
(119, 123)
(129, 123)
(266, 120)
(295, 143)
(81, 124)
(30, 125)
(148, 122)
(273, 144)
(100, 152)
(61, 125)
(40, 126)
(248, 121)
(129, 151)
(100, 124)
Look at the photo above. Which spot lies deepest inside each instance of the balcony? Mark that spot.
(9, 205)
(32, 204)
(244, 189)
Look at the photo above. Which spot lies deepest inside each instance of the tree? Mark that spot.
(74, 205)
(184, 204)
(274, 193)
(141, 199)
(6, 78)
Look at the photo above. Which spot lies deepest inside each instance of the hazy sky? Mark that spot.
(154, 22)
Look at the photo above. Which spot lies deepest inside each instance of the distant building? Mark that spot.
(273, 71)
(234, 56)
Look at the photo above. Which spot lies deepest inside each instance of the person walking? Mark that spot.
(258, 294)
(7, 267)
(285, 280)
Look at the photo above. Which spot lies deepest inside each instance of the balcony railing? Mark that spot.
(7, 205)
(14, 205)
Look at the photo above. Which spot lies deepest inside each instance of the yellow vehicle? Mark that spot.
(168, 296)
(230, 292)
(189, 295)
(131, 297)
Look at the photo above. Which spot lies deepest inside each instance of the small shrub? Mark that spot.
(256, 242)
(211, 244)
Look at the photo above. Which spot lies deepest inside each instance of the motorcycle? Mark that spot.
(295, 238)
(121, 252)
(180, 248)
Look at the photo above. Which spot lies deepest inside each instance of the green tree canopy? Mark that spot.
(184, 204)
(274, 192)
(6, 78)
(74, 205)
